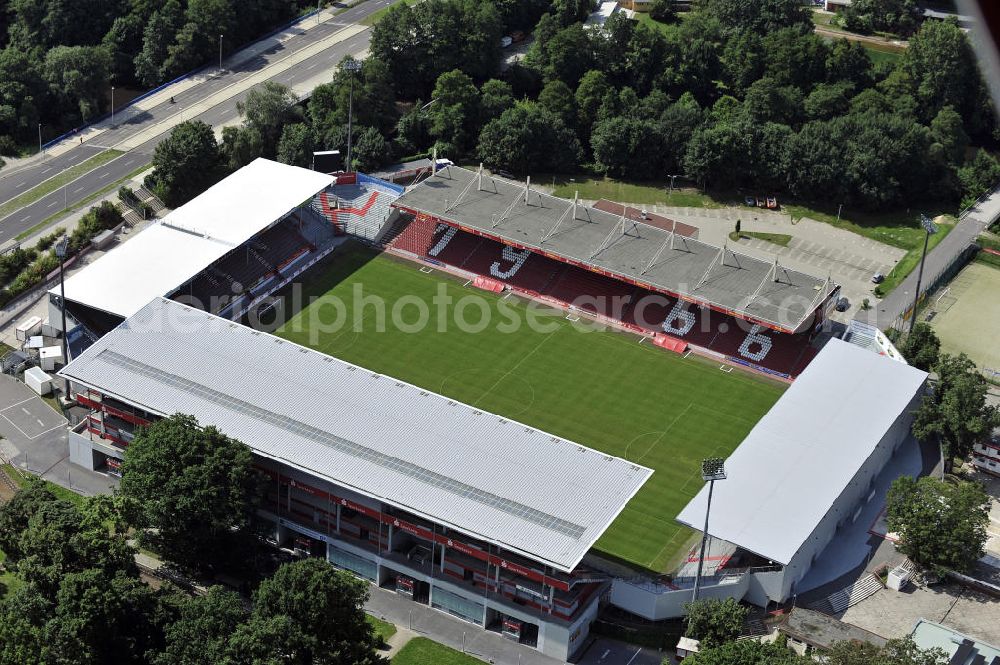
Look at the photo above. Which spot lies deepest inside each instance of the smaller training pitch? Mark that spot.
(599, 388)
(967, 318)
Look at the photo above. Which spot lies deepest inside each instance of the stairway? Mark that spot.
(839, 601)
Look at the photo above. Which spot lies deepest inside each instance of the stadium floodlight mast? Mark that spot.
(220, 54)
(61, 247)
(930, 229)
(350, 65)
(712, 469)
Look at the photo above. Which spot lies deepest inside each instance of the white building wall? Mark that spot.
(656, 602)
(857, 492)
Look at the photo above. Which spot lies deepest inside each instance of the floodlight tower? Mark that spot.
(930, 229)
(350, 65)
(712, 469)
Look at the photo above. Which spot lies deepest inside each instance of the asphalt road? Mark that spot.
(964, 233)
(133, 122)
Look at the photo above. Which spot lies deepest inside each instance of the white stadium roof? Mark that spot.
(490, 477)
(797, 460)
(189, 239)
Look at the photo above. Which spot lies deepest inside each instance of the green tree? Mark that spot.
(947, 132)
(897, 16)
(201, 632)
(369, 150)
(794, 58)
(326, 607)
(266, 109)
(76, 76)
(746, 652)
(567, 56)
(421, 42)
(940, 524)
(828, 100)
(629, 147)
(412, 134)
(760, 16)
(590, 94)
(454, 116)
(942, 68)
(374, 99)
(195, 488)
(185, 164)
(197, 41)
(979, 175)
(23, 92)
(714, 622)
(664, 11)
(495, 97)
(766, 101)
(921, 347)
(956, 413)
(156, 39)
(848, 61)
(895, 652)
(529, 138)
(557, 97)
(296, 145)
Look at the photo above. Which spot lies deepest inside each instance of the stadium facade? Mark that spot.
(473, 514)
(640, 272)
(468, 512)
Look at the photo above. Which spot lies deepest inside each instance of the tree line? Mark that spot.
(58, 59)
(189, 493)
(736, 95)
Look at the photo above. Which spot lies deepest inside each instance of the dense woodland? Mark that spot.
(736, 94)
(59, 58)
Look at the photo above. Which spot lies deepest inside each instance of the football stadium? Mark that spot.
(490, 400)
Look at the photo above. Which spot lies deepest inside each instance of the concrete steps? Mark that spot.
(839, 601)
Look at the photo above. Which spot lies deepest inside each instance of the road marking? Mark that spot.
(47, 170)
(18, 403)
(39, 421)
(105, 175)
(77, 190)
(52, 204)
(637, 652)
(312, 66)
(21, 185)
(26, 411)
(26, 218)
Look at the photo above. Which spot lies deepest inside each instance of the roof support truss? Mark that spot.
(620, 229)
(771, 276)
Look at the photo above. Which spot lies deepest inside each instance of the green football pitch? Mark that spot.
(599, 388)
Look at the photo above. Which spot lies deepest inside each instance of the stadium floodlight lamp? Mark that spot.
(929, 226)
(351, 64)
(61, 248)
(713, 468)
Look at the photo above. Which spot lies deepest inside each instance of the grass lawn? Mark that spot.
(8, 582)
(55, 182)
(599, 388)
(375, 17)
(422, 651)
(777, 238)
(60, 491)
(627, 192)
(383, 629)
(644, 17)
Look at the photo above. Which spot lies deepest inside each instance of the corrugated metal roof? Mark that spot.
(189, 239)
(690, 268)
(792, 466)
(493, 478)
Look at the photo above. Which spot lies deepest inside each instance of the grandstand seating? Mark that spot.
(250, 265)
(632, 307)
(359, 208)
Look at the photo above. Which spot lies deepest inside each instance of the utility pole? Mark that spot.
(61, 247)
(39, 137)
(350, 65)
(712, 469)
(112, 106)
(929, 229)
(220, 54)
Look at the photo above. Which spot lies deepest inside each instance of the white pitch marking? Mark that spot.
(11, 406)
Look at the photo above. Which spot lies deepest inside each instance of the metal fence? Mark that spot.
(901, 323)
